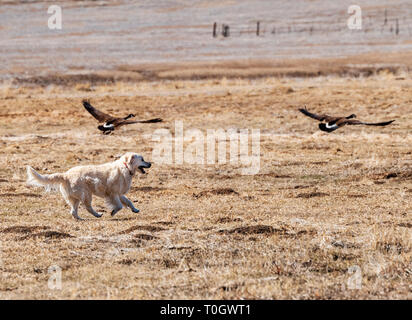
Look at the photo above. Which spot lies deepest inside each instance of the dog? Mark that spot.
(110, 181)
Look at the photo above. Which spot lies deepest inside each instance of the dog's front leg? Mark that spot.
(129, 204)
(116, 204)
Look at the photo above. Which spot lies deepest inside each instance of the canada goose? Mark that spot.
(110, 122)
(330, 124)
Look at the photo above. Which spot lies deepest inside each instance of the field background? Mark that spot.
(321, 205)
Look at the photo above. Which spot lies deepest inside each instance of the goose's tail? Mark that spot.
(48, 181)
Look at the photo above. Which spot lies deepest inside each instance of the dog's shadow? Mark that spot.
(115, 219)
(123, 219)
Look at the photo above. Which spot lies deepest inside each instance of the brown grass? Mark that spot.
(320, 204)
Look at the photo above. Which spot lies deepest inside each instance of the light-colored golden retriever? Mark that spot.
(110, 181)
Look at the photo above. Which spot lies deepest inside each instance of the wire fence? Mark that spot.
(374, 22)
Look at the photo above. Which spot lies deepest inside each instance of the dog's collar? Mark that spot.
(127, 168)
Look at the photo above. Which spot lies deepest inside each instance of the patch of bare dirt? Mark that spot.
(22, 194)
(388, 247)
(406, 225)
(227, 220)
(275, 175)
(24, 229)
(268, 230)
(143, 236)
(47, 235)
(258, 229)
(127, 262)
(146, 228)
(219, 192)
(399, 175)
(165, 223)
(147, 189)
(343, 244)
(312, 195)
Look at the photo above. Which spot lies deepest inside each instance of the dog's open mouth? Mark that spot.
(141, 168)
(145, 165)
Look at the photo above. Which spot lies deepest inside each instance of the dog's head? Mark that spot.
(135, 162)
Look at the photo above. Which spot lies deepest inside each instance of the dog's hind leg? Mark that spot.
(115, 203)
(71, 201)
(74, 207)
(129, 204)
(87, 201)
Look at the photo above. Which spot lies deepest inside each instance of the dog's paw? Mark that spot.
(98, 215)
(135, 210)
(113, 212)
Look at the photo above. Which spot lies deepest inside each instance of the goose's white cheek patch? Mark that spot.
(333, 126)
(108, 126)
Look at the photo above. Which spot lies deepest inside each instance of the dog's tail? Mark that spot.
(48, 181)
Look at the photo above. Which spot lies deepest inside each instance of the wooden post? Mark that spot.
(257, 28)
(225, 30)
(214, 30)
(397, 27)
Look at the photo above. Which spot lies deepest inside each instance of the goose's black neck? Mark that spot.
(129, 116)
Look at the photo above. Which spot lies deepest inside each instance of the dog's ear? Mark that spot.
(125, 158)
(129, 158)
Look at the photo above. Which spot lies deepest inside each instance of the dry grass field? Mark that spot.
(321, 205)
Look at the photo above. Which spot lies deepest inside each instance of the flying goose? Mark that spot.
(110, 122)
(330, 124)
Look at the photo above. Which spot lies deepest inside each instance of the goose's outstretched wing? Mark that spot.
(124, 122)
(319, 117)
(357, 122)
(100, 116)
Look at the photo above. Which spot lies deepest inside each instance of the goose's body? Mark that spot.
(110, 123)
(329, 123)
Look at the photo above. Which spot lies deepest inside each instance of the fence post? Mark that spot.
(257, 28)
(214, 30)
(225, 30)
